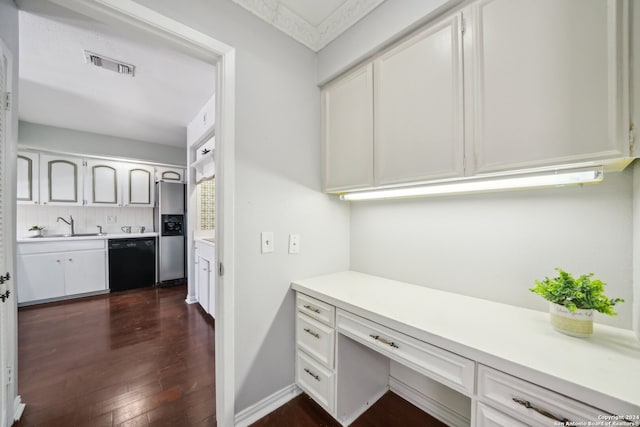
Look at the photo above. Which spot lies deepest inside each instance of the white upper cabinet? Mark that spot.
(61, 180)
(504, 85)
(169, 174)
(418, 107)
(102, 183)
(348, 131)
(203, 123)
(546, 82)
(138, 185)
(27, 170)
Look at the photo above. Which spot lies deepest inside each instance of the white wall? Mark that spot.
(72, 141)
(389, 21)
(277, 188)
(494, 246)
(85, 218)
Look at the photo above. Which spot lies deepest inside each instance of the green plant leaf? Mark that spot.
(581, 293)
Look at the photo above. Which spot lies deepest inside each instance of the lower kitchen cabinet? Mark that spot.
(56, 270)
(205, 276)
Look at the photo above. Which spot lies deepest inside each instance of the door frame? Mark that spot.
(208, 49)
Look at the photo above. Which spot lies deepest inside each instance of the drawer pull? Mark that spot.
(310, 332)
(315, 377)
(542, 412)
(384, 341)
(315, 310)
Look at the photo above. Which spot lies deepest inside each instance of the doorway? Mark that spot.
(208, 49)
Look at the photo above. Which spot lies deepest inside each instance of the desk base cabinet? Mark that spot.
(346, 362)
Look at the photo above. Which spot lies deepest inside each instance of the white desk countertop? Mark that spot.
(602, 370)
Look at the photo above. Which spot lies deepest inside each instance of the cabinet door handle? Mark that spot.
(384, 341)
(310, 332)
(58, 261)
(315, 310)
(314, 376)
(542, 412)
(70, 259)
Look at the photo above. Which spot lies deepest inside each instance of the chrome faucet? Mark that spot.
(69, 223)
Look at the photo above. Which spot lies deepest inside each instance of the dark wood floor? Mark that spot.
(144, 358)
(389, 411)
(133, 358)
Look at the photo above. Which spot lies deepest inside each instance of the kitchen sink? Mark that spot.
(70, 235)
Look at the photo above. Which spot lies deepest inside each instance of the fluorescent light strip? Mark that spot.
(554, 179)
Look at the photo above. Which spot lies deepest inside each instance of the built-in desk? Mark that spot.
(503, 358)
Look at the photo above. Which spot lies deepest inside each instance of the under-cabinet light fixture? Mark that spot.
(557, 178)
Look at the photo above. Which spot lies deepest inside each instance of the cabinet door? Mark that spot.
(102, 184)
(203, 283)
(40, 276)
(348, 131)
(547, 82)
(85, 271)
(27, 170)
(419, 108)
(138, 185)
(61, 180)
(169, 174)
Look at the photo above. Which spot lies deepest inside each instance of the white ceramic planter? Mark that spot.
(578, 323)
(35, 233)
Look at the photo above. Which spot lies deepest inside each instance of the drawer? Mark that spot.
(500, 391)
(41, 246)
(441, 365)
(316, 380)
(319, 310)
(486, 416)
(315, 339)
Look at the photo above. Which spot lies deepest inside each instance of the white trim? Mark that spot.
(208, 49)
(8, 309)
(18, 408)
(267, 405)
(427, 404)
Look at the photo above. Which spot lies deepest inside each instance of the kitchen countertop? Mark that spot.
(207, 241)
(104, 237)
(602, 370)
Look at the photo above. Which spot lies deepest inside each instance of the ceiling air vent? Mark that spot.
(109, 64)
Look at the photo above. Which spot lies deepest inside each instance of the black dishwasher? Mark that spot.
(132, 263)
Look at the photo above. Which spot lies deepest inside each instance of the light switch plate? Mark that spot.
(267, 242)
(294, 243)
(111, 219)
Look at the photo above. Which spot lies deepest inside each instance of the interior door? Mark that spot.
(9, 402)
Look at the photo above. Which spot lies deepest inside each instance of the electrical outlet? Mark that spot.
(267, 242)
(111, 219)
(294, 243)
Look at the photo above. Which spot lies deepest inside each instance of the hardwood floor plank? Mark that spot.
(122, 359)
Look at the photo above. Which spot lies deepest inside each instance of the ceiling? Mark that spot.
(59, 88)
(313, 23)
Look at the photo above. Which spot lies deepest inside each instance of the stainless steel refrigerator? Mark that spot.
(169, 221)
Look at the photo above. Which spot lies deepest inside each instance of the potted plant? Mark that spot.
(36, 230)
(574, 300)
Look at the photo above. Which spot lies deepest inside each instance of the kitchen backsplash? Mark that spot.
(86, 218)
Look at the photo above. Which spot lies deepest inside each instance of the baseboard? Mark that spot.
(18, 408)
(191, 299)
(427, 404)
(363, 408)
(267, 405)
